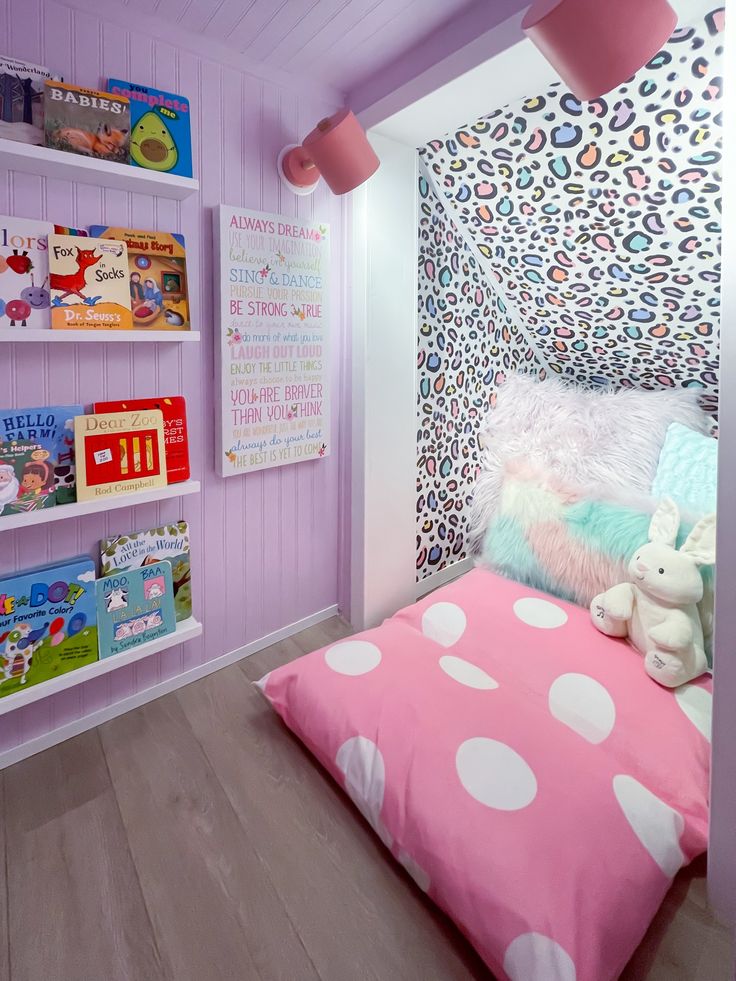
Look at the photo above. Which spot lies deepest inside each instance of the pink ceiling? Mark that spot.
(337, 42)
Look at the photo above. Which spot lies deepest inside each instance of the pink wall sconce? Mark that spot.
(336, 149)
(595, 45)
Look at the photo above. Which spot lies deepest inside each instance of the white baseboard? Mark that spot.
(58, 735)
(444, 576)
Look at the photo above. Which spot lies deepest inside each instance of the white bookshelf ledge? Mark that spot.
(63, 511)
(186, 630)
(25, 335)
(58, 165)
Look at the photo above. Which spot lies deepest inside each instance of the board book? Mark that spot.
(22, 87)
(88, 122)
(52, 427)
(48, 623)
(176, 438)
(24, 273)
(26, 477)
(161, 137)
(142, 548)
(158, 276)
(88, 278)
(134, 608)
(119, 453)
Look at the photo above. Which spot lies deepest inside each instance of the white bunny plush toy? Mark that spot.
(658, 609)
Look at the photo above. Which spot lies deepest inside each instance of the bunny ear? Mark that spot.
(700, 544)
(665, 523)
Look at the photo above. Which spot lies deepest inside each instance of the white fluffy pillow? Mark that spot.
(611, 437)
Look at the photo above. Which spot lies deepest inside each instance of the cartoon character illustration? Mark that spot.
(38, 297)
(154, 588)
(18, 310)
(173, 318)
(64, 477)
(154, 620)
(74, 283)
(36, 478)
(9, 485)
(152, 145)
(123, 630)
(117, 599)
(19, 262)
(136, 290)
(104, 142)
(17, 656)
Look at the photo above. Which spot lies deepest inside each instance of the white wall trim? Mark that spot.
(444, 576)
(70, 729)
(383, 534)
(721, 852)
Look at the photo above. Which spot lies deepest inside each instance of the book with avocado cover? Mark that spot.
(160, 137)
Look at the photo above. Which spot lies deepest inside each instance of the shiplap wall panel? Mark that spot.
(266, 545)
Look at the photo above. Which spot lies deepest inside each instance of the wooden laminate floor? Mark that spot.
(194, 839)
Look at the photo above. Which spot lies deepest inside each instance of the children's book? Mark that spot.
(48, 623)
(119, 453)
(160, 136)
(95, 124)
(22, 100)
(143, 548)
(88, 278)
(135, 607)
(69, 230)
(52, 427)
(158, 276)
(26, 477)
(24, 273)
(176, 438)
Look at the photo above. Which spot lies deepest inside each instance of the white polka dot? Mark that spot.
(495, 775)
(697, 704)
(353, 657)
(584, 705)
(466, 673)
(534, 957)
(537, 612)
(361, 763)
(657, 826)
(444, 623)
(415, 871)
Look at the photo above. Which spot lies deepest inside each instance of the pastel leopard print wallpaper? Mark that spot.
(467, 345)
(590, 234)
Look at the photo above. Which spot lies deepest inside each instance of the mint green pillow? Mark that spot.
(688, 469)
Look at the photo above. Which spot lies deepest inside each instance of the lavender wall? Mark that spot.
(268, 548)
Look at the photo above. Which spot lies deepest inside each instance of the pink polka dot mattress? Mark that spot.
(520, 765)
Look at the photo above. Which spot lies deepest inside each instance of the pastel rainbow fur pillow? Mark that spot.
(601, 437)
(572, 542)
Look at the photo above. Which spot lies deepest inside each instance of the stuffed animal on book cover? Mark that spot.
(657, 611)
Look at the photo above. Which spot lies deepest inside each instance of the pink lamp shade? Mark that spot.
(595, 45)
(336, 149)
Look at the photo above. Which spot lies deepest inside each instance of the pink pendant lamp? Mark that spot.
(336, 149)
(595, 45)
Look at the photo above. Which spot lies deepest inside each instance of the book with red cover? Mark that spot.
(176, 438)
